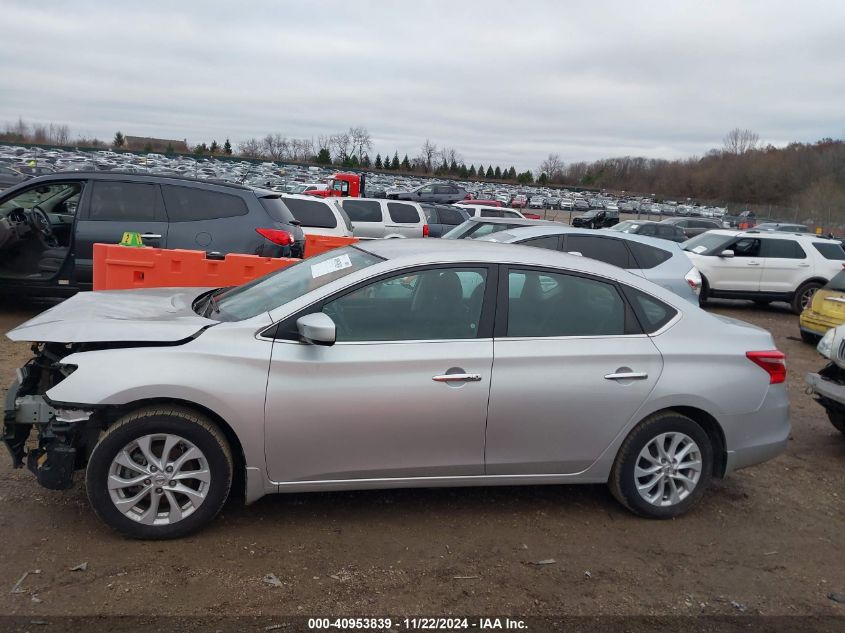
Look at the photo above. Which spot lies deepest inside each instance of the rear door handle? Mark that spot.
(151, 236)
(457, 378)
(629, 375)
(753, 263)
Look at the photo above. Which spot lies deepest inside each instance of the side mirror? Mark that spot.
(317, 328)
(726, 253)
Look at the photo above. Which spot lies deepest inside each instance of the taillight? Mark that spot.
(773, 362)
(277, 236)
(425, 230)
(693, 279)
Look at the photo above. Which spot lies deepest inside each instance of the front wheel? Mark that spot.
(837, 419)
(663, 466)
(803, 297)
(159, 472)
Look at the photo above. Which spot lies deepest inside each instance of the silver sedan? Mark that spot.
(399, 363)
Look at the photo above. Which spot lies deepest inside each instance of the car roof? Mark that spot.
(776, 235)
(425, 251)
(525, 232)
(138, 177)
(525, 221)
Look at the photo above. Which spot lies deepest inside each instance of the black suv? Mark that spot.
(49, 225)
(597, 219)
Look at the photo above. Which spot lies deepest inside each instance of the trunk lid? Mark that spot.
(149, 315)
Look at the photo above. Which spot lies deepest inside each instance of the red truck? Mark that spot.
(343, 186)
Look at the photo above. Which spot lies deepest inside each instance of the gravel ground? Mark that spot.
(767, 540)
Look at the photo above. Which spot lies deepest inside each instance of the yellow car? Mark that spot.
(827, 310)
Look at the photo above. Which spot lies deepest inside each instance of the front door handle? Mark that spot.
(150, 236)
(628, 375)
(457, 378)
(753, 263)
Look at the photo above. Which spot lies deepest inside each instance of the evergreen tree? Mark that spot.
(512, 173)
(489, 173)
(324, 157)
(472, 171)
(543, 179)
(214, 147)
(378, 161)
(498, 173)
(406, 164)
(366, 162)
(394, 164)
(525, 178)
(227, 148)
(119, 139)
(481, 171)
(463, 172)
(453, 168)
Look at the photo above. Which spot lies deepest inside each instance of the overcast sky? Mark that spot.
(502, 82)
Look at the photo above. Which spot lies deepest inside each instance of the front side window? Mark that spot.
(123, 201)
(363, 210)
(55, 198)
(542, 304)
(746, 247)
(190, 204)
(436, 304)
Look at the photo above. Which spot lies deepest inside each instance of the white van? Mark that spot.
(319, 216)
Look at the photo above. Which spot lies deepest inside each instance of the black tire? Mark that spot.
(797, 307)
(702, 295)
(622, 482)
(807, 337)
(837, 419)
(183, 422)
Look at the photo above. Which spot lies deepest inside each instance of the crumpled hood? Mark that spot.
(148, 315)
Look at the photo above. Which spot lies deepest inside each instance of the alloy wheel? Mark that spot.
(668, 469)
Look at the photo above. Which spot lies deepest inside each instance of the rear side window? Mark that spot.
(430, 214)
(187, 204)
(652, 313)
(604, 249)
(403, 213)
(122, 201)
(450, 216)
(363, 210)
(830, 250)
(312, 213)
(783, 249)
(648, 256)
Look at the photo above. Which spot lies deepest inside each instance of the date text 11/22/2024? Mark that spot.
(420, 623)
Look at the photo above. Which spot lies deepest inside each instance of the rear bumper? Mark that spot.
(759, 436)
(824, 388)
(815, 323)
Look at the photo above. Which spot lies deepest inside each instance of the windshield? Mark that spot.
(278, 288)
(706, 243)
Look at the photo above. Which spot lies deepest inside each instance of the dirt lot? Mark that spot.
(768, 540)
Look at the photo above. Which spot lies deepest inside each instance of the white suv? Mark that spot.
(764, 266)
(318, 216)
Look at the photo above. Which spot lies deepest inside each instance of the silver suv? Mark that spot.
(374, 218)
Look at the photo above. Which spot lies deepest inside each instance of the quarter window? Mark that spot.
(312, 213)
(437, 304)
(830, 250)
(648, 256)
(553, 304)
(123, 201)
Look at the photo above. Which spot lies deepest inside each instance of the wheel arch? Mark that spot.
(238, 457)
(708, 423)
(815, 279)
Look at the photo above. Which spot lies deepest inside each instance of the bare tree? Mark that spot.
(324, 141)
(342, 145)
(306, 147)
(251, 148)
(740, 141)
(427, 153)
(552, 167)
(360, 141)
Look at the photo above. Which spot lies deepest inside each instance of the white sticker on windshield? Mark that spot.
(699, 249)
(330, 265)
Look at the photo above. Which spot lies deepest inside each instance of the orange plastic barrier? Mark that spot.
(120, 267)
(316, 244)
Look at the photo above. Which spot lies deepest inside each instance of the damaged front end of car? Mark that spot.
(65, 435)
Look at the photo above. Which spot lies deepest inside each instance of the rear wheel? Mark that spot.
(837, 419)
(807, 337)
(702, 295)
(803, 297)
(663, 467)
(159, 473)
